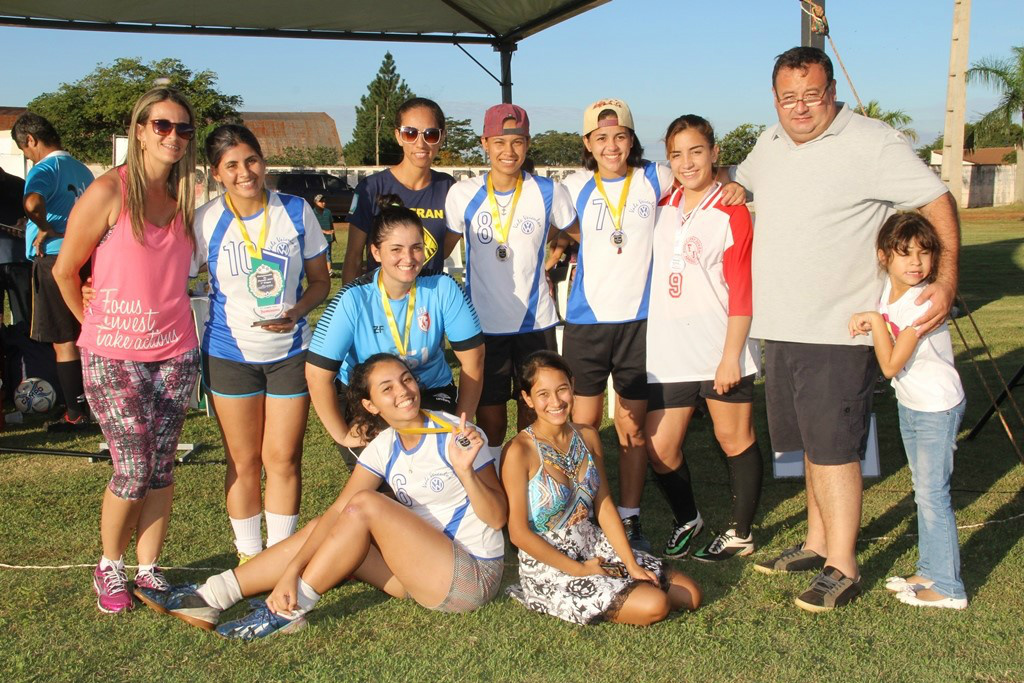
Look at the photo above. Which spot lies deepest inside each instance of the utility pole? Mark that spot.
(376, 134)
(809, 38)
(956, 101)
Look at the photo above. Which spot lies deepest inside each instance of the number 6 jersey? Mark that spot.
(700, 277)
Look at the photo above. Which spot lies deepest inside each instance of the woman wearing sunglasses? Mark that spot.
(258, 246)
(138, 342)
(419, 129)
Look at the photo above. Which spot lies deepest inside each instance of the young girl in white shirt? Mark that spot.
(931, 404)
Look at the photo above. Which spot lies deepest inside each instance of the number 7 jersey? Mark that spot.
(511, 296)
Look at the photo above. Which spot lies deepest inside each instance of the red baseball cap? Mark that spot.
(496, 116)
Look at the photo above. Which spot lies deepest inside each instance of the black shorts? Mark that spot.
(503, 356)
(52, 320)
(594, 351)
(231, 379)
(688, 394)
(819, 399)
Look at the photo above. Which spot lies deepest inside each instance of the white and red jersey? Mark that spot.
(700, 277)
(611, 285)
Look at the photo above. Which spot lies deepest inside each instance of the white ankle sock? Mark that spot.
(627, 512)
(248, 535)
(306, 600)
(221, 591)
(280, 527)
(107, 562)
(146, 567)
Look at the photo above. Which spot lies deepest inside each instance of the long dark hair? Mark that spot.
(365, 423)
(227, 136)
(541, 359)
(697, 123)
(416, 103)
(900, 229)
(392, 214)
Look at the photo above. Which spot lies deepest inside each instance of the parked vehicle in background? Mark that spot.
(308, 184)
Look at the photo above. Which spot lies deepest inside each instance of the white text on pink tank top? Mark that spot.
(129, 316)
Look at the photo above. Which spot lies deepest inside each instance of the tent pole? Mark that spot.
(506, 50)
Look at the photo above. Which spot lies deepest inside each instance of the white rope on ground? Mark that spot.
(959, 528)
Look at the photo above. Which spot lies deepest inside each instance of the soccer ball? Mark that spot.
(34, 395)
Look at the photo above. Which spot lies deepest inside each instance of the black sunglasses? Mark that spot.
(431, 136)
(163, 128)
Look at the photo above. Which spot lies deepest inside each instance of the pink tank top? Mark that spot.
(141, 311)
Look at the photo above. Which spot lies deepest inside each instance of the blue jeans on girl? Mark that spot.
(930, 439)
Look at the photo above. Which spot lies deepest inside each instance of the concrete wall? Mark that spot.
(986, 185)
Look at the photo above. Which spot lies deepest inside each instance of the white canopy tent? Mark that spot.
(480, 22)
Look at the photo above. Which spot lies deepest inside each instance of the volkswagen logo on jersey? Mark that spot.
(527, 226)
(644, 209)
(436, 484)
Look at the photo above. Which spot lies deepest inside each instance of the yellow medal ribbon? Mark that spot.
(501, 230)
(616, 213)
(255, 250)
(401, 344)
(444, 426)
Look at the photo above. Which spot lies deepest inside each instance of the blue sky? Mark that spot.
(664, 57)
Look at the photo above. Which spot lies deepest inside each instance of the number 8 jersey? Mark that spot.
(700, 277)
(511, 296)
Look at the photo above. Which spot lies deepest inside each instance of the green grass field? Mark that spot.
(748, 629)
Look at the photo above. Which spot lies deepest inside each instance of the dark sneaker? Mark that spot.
(724, 546)
(112, 596)
(260, 623)
(66, 425)
(829, 589)
(182, 602)
(635, 534)
(794, 559)
(681, 540)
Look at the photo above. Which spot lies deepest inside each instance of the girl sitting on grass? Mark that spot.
(439, 543)
(553, 474)
(931, 404)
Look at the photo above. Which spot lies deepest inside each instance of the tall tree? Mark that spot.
(555, 148)
(735, 145)
(461, 146)
(89, 112)
(375, 117)
(897, 118)
(1007, 77)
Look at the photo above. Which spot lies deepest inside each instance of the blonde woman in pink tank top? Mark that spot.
(138, 341)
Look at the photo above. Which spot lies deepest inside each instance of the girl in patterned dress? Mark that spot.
(575, 561)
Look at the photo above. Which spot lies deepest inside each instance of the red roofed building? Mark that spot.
(302, 130)
(981, 156)
(8, 115)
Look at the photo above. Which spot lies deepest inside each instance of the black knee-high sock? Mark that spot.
(745, 473)
(69, 374)
(678, 492)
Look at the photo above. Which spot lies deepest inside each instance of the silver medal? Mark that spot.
(503, 252)
(618, 239)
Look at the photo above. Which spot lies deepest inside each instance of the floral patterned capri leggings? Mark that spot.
(141, 410)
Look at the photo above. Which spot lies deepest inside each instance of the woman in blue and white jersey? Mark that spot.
(396, 310)
(437, 542)
(606, 317)
(258, 245)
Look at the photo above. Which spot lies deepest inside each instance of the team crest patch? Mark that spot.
(424, 321)
(692, 250)
(528, 226)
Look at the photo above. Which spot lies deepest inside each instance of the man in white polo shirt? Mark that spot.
(824, 179)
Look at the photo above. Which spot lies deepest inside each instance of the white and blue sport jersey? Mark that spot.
(510, 296)
(354, 327)
(60, 179)
(610, 287)
(423, 480)
(293, 237)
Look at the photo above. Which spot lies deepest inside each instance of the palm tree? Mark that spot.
(897, 118)
(1007, 77)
